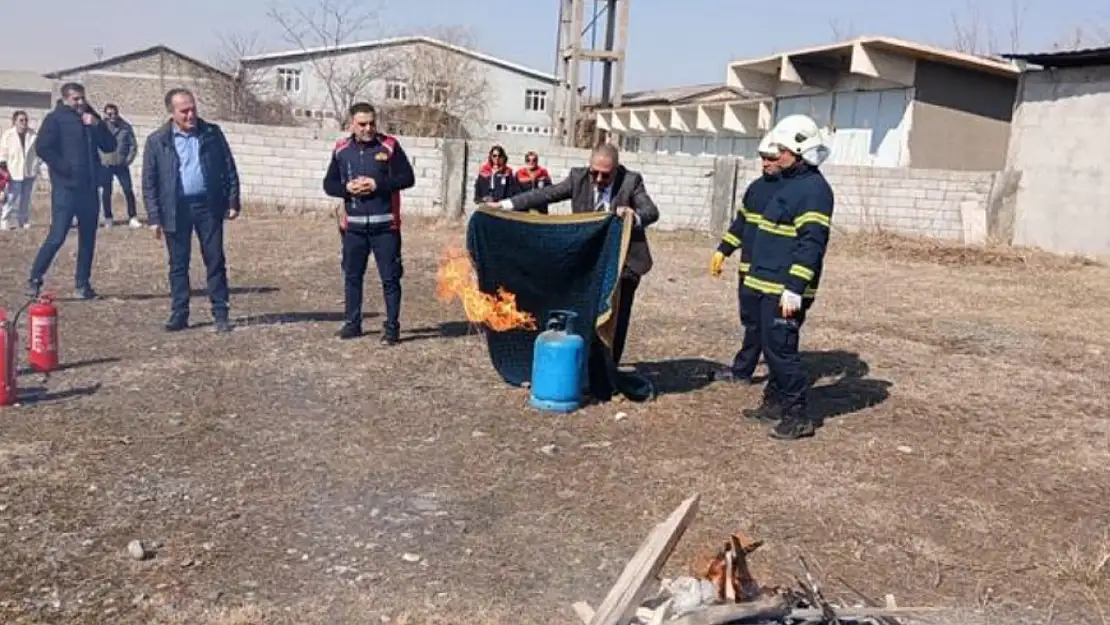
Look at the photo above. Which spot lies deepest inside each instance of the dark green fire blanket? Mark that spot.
(556, 262)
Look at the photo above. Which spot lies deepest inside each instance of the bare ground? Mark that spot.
(281, 475)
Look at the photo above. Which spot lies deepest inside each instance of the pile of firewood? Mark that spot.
(721, 589)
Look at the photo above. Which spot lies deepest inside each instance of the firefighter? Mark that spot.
(533, 176)
(368, 172)
(741, 236)
(787, 256)
(496, 181)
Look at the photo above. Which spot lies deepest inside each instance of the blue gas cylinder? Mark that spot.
(558, 364)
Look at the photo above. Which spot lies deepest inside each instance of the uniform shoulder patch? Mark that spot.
(382, 156)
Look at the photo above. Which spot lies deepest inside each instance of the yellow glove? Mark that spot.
(717, 265)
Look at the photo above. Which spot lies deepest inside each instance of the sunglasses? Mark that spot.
(600, 175)
(496, 156)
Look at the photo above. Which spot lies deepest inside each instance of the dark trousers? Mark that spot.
(778, 339)
(385, 245)
(628, 285)
(123, 174)
(196, 215)
(67, 203)
(746, 359)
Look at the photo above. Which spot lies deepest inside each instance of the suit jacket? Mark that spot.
(628, 190)
(162, 182)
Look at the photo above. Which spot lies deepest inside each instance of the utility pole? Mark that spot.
(578, 45)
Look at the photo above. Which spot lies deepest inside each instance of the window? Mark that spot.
(396, 90)
(289, 80)
(437, 93)
(499, 127)
(535, 100)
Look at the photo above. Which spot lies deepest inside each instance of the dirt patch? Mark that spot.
(284, 476)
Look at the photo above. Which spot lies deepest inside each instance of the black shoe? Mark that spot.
(390, 337)
(349, 331)
(34, 288)
(86, 293)
(794, 426)
(766, 413)
(222, 326)
(176, 323)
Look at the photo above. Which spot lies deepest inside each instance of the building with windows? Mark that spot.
(138, 81)
(490, 96)
(883, 102)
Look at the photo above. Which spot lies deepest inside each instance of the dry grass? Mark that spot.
(282, 474)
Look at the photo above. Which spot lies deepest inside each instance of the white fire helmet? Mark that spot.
(798, 134)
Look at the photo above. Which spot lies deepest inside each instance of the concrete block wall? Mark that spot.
(282, 169)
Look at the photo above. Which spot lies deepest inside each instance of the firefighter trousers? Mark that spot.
(746, 359)
(385, 245)
(778, 339)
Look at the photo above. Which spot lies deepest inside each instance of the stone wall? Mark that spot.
(282, 169)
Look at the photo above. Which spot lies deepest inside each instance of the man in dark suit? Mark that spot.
(190, 183)
(605, 185)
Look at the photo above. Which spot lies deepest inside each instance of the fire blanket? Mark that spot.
(556, 262)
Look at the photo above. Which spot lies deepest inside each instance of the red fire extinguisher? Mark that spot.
(42, 350)
(9, 388)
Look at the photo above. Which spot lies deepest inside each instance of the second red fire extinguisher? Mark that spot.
(9, 389)
(42, 348)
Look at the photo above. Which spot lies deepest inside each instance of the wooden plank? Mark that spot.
(625, 596)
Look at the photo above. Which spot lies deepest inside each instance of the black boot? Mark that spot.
(795, 424)
(390, 336)
(176, 323)
(86, 292)
(767, 412)
(349, 331)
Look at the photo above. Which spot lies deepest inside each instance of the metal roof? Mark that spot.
(20, 80)
(362, 46)
(1085, 57)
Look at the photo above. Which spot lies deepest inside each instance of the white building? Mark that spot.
(1060, 128)
(492, 97)
(883, 101)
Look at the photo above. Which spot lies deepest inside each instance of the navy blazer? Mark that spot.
(162, 180)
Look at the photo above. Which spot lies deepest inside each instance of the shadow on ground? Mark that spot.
(235, 290)
(681, 375)
(852, 390)
(41, 394)
(69, 366)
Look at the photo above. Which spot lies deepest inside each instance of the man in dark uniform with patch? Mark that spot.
(741, 236)
(369, 171)
(788, 252)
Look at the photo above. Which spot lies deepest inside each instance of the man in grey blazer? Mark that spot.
(605, 185)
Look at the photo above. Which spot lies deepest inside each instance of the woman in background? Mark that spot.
(17, 147)
(532, 176)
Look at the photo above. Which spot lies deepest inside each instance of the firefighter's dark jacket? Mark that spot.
(495, 185)
(381, 159)
(741, 232)
(788, 249)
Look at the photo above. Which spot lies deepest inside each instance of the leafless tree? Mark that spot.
(446, 90)
(976, 33)
(1094, 33)
(842, 31)
(248, 98)
(318, 32)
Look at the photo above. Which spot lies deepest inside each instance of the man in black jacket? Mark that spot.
(608, 186)
(190, 182)
(368, 171)
(68, 141)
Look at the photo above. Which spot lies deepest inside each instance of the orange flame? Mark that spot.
(456, 280)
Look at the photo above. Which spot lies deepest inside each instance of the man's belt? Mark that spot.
(369, 219)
